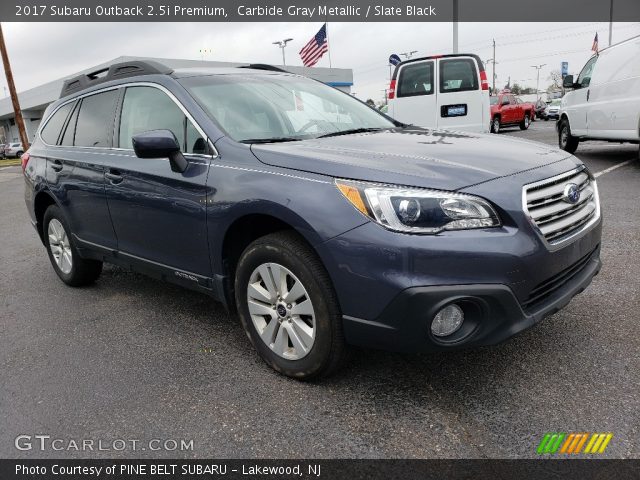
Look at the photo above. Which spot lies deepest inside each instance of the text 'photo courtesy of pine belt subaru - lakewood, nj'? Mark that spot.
(320, 221)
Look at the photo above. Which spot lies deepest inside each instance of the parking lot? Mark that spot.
(134, 358)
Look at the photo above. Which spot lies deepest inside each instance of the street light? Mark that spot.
(408, 55)
(538, 67)
(281, 44)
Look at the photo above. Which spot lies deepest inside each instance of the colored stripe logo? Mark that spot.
(574, 443)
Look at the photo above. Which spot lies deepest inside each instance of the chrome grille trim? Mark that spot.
(556, 220)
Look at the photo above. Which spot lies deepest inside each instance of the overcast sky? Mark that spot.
(47, 51)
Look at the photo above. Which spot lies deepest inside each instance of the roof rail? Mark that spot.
(263, 66)
(113, 72)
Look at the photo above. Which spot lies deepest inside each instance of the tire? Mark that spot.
(299, 345)
(72, 269)
(546, 119)
(566, 141)
(19, 153)
(526, 121)
(495, 125)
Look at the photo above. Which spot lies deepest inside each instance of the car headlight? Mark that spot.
(416, 210)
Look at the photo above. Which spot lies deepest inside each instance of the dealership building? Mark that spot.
(33, 102)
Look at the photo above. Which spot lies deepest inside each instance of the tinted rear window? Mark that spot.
(95, 120)
(458, 75)
(416, 79)
(51, 130)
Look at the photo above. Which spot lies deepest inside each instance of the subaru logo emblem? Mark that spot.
(571, 193)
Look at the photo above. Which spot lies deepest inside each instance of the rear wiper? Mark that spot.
(349, 132)
(271, 140)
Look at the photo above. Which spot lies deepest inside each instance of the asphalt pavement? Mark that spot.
(131, 358)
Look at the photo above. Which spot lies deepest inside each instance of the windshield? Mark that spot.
(493, 100)
(263, 107)
(556, 103)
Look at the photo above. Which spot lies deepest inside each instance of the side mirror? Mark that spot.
(567, 81)
(160, 144)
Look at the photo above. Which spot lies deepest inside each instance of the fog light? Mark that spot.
(447, 321)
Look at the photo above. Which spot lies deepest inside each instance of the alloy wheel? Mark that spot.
(281, 311)
(496, 126)
(564, 135)
(60, 246)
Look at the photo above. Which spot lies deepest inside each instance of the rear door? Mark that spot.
(76, 163)
(415, 97)
(159, 214)
(460, 98)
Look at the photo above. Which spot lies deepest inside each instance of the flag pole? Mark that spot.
(328, 42)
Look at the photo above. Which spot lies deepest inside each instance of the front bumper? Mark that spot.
(492, 314)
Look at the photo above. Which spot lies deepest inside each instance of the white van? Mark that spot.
(605, 101)
(442, 91)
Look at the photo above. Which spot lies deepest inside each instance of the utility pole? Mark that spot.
(538, 67)
(281, 44)
(610, 20)
(455, 26)
(14, 95)
(494, 66)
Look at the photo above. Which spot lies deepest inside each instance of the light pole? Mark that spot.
(491, 60)
(538, 67)
(408, 55)
(281, 44)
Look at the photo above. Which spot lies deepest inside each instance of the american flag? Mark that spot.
(317, 46)
(594, 47)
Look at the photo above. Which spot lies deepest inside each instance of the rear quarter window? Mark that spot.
(51, 131)
(458, 75)
(416, 79)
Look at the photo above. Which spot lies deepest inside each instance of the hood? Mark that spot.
(412, 156)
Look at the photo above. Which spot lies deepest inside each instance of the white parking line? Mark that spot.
(615, 167)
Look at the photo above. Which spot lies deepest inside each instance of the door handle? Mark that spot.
(114, 176)
(56, 165)
(588, 93)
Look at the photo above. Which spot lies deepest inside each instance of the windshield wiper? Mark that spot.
(271, 140)
(350, 131)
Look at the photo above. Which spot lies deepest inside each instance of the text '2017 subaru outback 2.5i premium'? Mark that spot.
(320, 221)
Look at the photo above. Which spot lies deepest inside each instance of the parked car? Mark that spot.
(13, 150)
(553, 109)
(505, 110)
(443, 91)
(319, 230)
(540, 109)
(604, 103)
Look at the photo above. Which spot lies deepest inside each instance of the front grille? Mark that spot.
(555, 216)
(540, 293)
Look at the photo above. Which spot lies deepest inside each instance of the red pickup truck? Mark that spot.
(506, 110)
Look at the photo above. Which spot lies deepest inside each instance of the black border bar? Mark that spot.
(318, 10)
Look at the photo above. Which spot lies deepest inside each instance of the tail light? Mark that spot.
(483, 80)
(25, 159)
(392, 89)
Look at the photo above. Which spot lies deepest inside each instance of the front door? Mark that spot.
(577, 104)
(159, 215)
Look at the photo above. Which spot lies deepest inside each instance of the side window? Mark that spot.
(416, 79)
(458, 75)
(512, 100)
(95, 120)
(505, 100)
(585, 75)
(51, 131)
(67, 138)
(148, 108)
